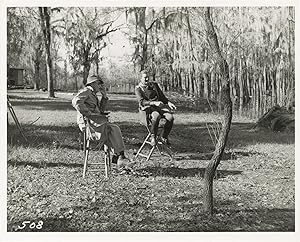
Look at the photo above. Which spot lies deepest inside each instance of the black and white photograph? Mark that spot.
(149, 117)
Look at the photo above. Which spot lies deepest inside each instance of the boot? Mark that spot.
(114, 159)
(153, 139)
(165, 140)
(123, 161)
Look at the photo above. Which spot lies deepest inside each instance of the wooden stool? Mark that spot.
(86, 149)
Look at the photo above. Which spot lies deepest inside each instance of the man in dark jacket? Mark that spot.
(156, 105)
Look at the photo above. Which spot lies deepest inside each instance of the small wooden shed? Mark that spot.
(15, 77)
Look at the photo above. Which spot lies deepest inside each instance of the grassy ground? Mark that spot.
(254, 188)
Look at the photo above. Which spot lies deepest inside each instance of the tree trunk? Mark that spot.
(65, 75)
(46, 28)
(144, 51)
(145, 40)
(36, 63)
(86, 71)
(36, 76)
(260, 94)
(274, 93)
(226, 123)
(205, 81)
(241, 85)
(265, 84)
(290, 77)
(191, 52)
(76, 85)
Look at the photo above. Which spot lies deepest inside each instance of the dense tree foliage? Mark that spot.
(257, 42)
(24, 42)
(85, 32)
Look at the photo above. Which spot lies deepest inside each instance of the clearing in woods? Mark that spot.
(254, 188)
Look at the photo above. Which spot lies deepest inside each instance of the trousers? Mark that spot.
(156, 114)
(108, 133)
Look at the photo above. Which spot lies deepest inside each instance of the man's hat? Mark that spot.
(92, 79)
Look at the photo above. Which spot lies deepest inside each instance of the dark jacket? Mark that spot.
(86, 103)
(151, 92)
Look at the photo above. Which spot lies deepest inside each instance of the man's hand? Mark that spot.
(172, 106)
(95, 115)
(157, 103)
(98, 118)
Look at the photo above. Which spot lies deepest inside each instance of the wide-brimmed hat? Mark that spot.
(92, 79)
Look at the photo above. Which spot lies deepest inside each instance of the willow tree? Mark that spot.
(23, 27)
(226, 123)
(34, 36)
(143, 24)
(15, 43)
(86, 29)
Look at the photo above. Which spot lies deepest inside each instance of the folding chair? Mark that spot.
(86, 148)
(160, 146)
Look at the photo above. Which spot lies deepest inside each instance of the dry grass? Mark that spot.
(254, 189)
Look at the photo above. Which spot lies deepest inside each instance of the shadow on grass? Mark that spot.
(208, 156)
(258, 220)
(117, 102)
(192, 138)
(185, 172)
(44, 136)
(43, 104)
(185, 142)
(43, 164)
(235, 220)
(48, 137)
(195, 137)
(121, 103)
(51, 224)
(16, 99)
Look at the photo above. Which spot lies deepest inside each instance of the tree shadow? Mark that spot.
(126, 103)
(177, 172)
(185, 143)
(44, 136)
(43, 164)
(208, 156)
(191, 139)
(196, 138)
(16, 98)
(258, 220)
(231, 220)
(43, 104)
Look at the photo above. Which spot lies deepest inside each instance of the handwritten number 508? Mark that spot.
(32, 225)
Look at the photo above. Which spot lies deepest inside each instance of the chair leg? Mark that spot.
(107, 161)
(142, 146)
(160, 146)
(84, 141)
(165, 149)
(169, 152)
(86, 155)
(150, 153)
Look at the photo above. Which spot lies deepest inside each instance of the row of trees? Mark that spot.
(257, 42)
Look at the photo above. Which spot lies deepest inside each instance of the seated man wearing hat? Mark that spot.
(87, 105)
